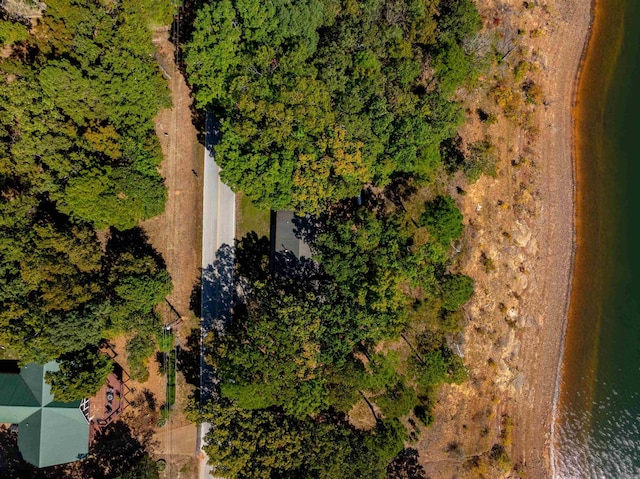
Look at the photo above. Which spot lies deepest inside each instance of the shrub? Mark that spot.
(500, 457)
(397, 401)
(424, 414)
(11, 32)
(81, 374)
(480, 161)
(139, 348)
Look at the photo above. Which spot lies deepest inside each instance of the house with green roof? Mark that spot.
(49, 432)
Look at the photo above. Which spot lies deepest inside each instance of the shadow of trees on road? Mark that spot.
(218, 298)
(221, 292)
(188, 358)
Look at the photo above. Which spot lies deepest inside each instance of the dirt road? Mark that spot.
(177, 232)
(177, 235)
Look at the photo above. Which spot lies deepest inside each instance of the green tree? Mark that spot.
(273, 356)
(213, 51)
(459, 19)
(78, 154)
(397, 401)
(320, 102)
(81, 374)
(320, 99)
(266, 443)
(442, 219)
(254, 443)
(11, 32)
(456, 290)
(138, 280)
(139, 349)
(370, 289)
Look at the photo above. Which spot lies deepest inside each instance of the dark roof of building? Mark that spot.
(284, 235)
(49, 432)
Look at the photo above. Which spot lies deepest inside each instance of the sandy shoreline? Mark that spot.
(519, 248)
(543, 347)
(574, 154)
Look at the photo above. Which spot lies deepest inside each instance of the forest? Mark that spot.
(78, 171)
(318, 98)
(346, 112)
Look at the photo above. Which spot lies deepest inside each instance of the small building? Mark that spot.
(286, 239)
(49, 432)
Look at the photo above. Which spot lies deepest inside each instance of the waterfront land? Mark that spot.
(554, 230)
(519, 243)
(517, 246)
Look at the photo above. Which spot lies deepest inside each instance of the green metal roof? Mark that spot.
(49, 432)
(16, 414)
(53, 436)
(13, 392)
(33, 375)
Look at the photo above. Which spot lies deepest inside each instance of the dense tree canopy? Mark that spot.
(259, 371)
(265, 443)
(320, 102)
(294, 353)
(79, 165)
(12, 32)
(321, 97)
(81, 375)
(443, 220)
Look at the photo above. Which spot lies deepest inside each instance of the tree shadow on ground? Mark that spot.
(212, 300)
(11, 462)
(406, 466)
(252, 257)
(307, 228)
(289, 268)
(401, 188)
(452, 153)
(222, 290)
(189, 358)
(114, 452)
(134, 241)
(216, 307)
(195, 300)
(212, 131)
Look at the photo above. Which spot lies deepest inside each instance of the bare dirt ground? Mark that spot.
(175, 441)
(518, 247)
(177, 235)
(177, 232)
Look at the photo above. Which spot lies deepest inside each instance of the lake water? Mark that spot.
(598, 428)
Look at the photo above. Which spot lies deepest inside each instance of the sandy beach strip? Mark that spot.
(542, 351)
(576, 111)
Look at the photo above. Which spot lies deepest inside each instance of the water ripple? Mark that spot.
(597, 444)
